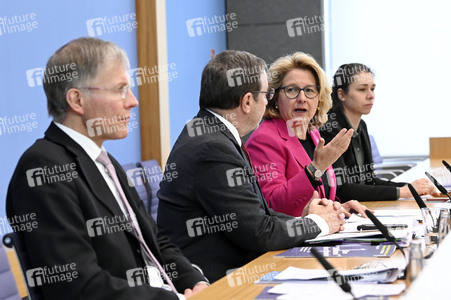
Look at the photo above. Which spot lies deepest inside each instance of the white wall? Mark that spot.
(408, 45)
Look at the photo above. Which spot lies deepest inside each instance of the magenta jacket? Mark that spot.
(279, 162)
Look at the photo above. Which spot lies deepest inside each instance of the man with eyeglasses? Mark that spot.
(214, 210)
(94, 226)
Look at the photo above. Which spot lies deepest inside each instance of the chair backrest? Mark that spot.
(146, 177)
(14, 241)
(154, 175)
(8, 286)
(377, 158)
(135, 175)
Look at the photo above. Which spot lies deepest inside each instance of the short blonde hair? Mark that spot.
(299, 60)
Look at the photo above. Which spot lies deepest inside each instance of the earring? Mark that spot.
(277, 107)
(317, 109)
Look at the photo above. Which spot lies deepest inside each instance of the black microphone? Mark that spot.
(446, 165)
(383, 229)
(417, 197)
(336, 276)
(440, 187)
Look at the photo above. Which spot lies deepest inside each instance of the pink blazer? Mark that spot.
(279, 162)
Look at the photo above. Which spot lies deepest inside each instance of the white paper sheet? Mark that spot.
(381, 273)
(324, 290)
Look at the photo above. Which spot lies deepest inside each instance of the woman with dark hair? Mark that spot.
(352, 97)
(289, 157)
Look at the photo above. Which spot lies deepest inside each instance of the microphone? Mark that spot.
(417, 197)
(440, 187)
(446, 165)
(383, 229)
(336, 276)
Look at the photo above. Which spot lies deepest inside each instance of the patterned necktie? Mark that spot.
(106, 162)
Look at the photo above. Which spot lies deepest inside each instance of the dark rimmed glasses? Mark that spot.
(292, 91)
(269, 94)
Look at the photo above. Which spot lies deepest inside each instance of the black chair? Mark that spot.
(14, 241)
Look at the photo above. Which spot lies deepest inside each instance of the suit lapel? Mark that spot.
(295, 146)
(292, 143)
(231, 138)
(100, 188)
(87, 167)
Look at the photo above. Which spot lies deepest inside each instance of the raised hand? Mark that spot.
(325, 155)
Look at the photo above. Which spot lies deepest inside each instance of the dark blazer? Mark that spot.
(214, 188)
(63, 210)
(374, 188)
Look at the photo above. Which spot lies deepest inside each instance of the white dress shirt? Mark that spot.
(93, 152)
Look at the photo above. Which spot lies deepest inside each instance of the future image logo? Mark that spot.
(249, 275)
(208, 225)
(297, 126)
(305, 25)
(50, 275)
(51, 174)
(236, 177)
(209, 25)
(112, 24)
(108, 225)
(53, 74)
(240, 76)
(154, 74)
(154, 174)
(107, 125)
(300, 227)
(18, 23)
(200, 126)
(35, 76)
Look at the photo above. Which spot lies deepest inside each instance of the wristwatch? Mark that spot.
(316, 173)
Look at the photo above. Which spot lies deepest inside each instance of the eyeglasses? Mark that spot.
(292, 91)
(123, 91)
(269, 94)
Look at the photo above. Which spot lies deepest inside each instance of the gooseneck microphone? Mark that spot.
(440, 187)
(446, 165)
(383, 229)
(336, 276)
(417, 197)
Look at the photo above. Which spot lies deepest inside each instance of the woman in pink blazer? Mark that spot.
(289, 157)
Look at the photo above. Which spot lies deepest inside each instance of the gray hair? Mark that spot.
(76, 64)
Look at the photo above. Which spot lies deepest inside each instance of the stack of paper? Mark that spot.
(351, 233)
(330, 290)
(297, 283)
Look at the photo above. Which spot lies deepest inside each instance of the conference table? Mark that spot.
(240, 284)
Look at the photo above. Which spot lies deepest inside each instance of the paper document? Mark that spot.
(345, 250)
(379, 274)
(324, 290)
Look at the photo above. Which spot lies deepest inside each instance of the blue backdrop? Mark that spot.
(31, 31)
(190, 54)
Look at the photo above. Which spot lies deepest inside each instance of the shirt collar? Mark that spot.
(86, 143)
(356, 131)
(229, 126)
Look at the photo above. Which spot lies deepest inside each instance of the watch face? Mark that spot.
(318, 174)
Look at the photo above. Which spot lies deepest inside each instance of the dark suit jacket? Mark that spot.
(374, 188)
(215, 187)
(62, 210)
